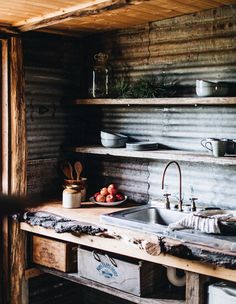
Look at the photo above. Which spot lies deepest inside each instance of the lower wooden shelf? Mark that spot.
(109, 290)
(156, 155)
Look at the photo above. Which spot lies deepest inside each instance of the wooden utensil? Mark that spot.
(67, 169)
(78, 169)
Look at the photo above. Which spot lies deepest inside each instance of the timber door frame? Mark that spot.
(5, 164)
(13, 166)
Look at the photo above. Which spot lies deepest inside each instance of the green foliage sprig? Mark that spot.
(145, 87)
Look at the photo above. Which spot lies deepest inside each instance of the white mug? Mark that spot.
(216, 146)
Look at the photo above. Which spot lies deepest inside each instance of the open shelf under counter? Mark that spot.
(184, 101)
(74, 277)
(177, 155)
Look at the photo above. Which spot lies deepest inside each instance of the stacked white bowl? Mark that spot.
(113, 140)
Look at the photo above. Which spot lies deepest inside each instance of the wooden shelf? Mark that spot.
(177, 155)
(193, 101)
(115, 292)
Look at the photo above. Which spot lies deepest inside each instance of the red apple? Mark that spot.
(100, 198)
(110, 198)
(120, 196)
(104, 191)
(96, 194)
(112, 189)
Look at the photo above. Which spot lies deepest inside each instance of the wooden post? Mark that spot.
(195, 288)
(18, 284)
(4, 166)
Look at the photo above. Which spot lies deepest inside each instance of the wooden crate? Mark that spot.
(54, 254)
(129, 275)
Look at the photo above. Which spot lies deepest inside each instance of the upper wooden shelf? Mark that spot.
(193, 101)
(157, 154)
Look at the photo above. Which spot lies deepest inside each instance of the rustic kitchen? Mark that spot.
(118, 133)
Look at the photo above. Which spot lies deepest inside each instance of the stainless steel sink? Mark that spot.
(146, 218)
(152, 215)
(156, 220)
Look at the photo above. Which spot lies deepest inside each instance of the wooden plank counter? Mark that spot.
(121, 240)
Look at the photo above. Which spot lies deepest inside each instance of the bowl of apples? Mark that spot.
(108, 196)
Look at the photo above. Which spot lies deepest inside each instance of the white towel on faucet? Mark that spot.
(197, 221)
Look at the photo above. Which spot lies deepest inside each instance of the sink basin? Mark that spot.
(144, 217)
(156, 220)
(152, 215)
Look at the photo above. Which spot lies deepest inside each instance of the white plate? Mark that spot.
(107, 204)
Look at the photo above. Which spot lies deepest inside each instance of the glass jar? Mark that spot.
(71, 196)
(100, 78)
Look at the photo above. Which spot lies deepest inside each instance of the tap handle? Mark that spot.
(166, 195)
(193, 201)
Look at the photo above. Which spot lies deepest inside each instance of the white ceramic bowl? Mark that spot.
(110, 135)
(114, 143)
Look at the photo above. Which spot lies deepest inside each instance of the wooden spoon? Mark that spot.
(78, 169)
(67, 169)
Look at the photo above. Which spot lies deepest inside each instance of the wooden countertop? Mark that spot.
(126, 241)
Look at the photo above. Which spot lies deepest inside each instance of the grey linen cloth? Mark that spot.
(59, 224)
(198, 221)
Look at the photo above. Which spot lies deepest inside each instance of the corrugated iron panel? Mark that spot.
(130, 175)
(49, 123)
(175, 127)
(212, 185)
(53, 74)
(198, 46)
(44, 178)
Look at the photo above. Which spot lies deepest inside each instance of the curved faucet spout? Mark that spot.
(180, 205)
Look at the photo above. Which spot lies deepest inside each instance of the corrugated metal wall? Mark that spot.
(54, 75)
(186, 48)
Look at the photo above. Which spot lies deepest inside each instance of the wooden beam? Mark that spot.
(81, 10)
(5, 146)
(195, 288)
(5, 151)
(169, 101)
(31, 273)
(18, 284)
(6, 30)
(18, 119)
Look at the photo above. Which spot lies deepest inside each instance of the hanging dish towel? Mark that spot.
(198, 221)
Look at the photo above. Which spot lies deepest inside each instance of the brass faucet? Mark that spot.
(180, 204)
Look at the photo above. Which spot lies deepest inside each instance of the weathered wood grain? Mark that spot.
(54, 254)
(31, 273)
(129, 275)
(177, 155)
(18, 285)
(124, 17)
(6, 31)
(5, 154)
(195, 288)
(193, 101)
(82, 10)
